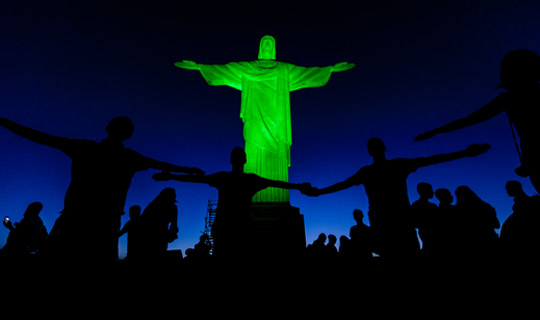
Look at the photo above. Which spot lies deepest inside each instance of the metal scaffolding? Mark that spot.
(209, 220)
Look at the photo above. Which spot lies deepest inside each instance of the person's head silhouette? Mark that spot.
(520, 69)
(120, 129)
(358, 215)
(444, 196)
(135, 211)
(376, 148)
(33, 209)
(425, 190)
(238, 157)
(514, 188)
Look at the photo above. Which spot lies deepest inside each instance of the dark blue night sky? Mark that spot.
(67, 69)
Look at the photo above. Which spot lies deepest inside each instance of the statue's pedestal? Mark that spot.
(278, 230)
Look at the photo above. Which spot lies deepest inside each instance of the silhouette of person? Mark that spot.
(101, 172)
(519, 236)
(134, 230)
(345, 250)
(447, 243)
(519, 75)
(316, 250)
(425, 214)
(160, 222)
(232, 225)
(331, 249)
(201, 250)
(385, 183)
(480, 241)
(26, 236)
(361, 238)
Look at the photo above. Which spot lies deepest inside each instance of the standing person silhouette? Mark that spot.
(135, 232)
(232, 224)
(385, 183)
(159, 226)
(425, 214)
(101, 172)
(519, 75)
(361, 238)
(480, 241)
(26, 236)
(448, 239)
(520, 242)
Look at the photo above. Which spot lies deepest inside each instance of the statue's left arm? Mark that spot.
(309, 77)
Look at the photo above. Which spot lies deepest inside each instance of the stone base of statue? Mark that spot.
(278, 230)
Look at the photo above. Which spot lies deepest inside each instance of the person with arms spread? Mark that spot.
(101, 174)
(236, 188)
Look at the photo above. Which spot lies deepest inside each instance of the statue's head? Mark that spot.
(267, 48)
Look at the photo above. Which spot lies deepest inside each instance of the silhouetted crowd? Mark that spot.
(446, 234)
(444, 240)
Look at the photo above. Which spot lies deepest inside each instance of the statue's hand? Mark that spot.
(187, 64)
(343, 66)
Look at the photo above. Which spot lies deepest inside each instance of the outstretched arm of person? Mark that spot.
(32, 134)
(471, 151)
(166, 176)
(287, 185)
(315, 192)
(167, 167)
(487, 112)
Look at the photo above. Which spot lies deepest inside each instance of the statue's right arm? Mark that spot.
(32, 134)
(188, 64)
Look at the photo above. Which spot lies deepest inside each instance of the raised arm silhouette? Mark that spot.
(519, 75)
(385, 183)
(101, 174)
(236, 189)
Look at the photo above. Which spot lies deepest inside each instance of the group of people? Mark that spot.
(449, 234)
(102, 171)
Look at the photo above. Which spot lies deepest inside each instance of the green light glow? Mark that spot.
(265, 108)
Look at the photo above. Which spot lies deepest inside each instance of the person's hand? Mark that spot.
(188, 64)
(304, 187)
(8, 224)
(311, 192)
(162, 176)
(476, 149)
(196, 171)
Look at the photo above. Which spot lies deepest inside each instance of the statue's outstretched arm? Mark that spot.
(188, 64)
(342, 66)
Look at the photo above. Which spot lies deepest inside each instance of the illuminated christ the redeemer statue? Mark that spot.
(265, 108)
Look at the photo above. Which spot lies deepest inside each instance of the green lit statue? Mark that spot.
(265, 108)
